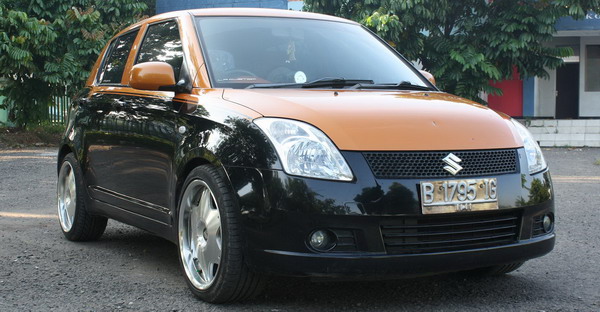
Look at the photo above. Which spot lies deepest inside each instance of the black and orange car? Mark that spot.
(275, 142)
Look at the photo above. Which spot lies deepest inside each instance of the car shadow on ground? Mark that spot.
(440, 291)
(130, 241)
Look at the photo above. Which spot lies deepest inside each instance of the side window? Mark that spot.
(162, 44)
(114, 64)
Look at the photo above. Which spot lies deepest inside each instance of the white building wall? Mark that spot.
(545, 95)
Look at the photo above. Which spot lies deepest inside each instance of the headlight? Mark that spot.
(304, 150)
(535, 159)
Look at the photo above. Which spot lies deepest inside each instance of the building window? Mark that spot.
(592, 68)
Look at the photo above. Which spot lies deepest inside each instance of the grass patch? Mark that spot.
(49, 133)
(597, 162)
(45, 134)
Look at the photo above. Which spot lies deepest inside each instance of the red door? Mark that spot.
(511, 100)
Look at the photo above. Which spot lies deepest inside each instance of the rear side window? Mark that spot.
(114, 64)
(162, 44)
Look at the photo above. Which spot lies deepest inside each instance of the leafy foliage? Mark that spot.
(47, 48)
(466, 44)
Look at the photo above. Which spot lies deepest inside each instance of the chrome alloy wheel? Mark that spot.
(67, 196)
(200, 239)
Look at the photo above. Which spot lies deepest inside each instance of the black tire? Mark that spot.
(84, 225)
(496, 270)
(233, 280)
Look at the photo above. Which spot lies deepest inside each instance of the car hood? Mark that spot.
(358, 120)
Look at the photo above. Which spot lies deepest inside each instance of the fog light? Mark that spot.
(322, 240)
(547, 223)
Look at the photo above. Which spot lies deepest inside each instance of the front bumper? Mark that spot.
(280, 211)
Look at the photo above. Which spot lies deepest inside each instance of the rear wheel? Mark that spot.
(210, 242)
(76, 223)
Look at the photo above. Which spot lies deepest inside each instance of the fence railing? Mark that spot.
(57, 112)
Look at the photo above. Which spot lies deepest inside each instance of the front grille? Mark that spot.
(346, 241)
(440, 233)
(537, 228)
(391, 165)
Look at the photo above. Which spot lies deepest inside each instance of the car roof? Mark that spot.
(265, 13)
(262, 12)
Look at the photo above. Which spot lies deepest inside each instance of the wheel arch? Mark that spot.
(185, 171)
(64, 150)
(196, 158)
(182, 173)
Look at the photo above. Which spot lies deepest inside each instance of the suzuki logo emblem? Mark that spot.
(452, 161)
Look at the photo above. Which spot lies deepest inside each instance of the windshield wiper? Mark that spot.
(404, 85)
(323, 82)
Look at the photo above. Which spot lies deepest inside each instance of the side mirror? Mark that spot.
(152, 76)
(429, 76)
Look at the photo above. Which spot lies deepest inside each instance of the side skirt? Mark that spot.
(153, 226)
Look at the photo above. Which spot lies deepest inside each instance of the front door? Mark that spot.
(142, 160)
(567, 91)
(143, 165)
(137, 133)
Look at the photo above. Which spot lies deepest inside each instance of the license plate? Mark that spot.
(450, 196)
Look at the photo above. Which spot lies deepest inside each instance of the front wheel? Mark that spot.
(210, 242)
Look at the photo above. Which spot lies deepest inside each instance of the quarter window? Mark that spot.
(162, 44)
(114, 64)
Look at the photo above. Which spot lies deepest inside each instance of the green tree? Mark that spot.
(47, 48)
(466, 44)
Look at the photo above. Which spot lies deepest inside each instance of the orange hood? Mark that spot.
(392, 120)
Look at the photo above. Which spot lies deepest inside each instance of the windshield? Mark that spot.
(265, 51)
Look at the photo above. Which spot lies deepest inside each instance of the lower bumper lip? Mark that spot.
(383, 265)
(383, 255)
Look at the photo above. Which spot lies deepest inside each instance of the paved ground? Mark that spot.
(129, 269)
